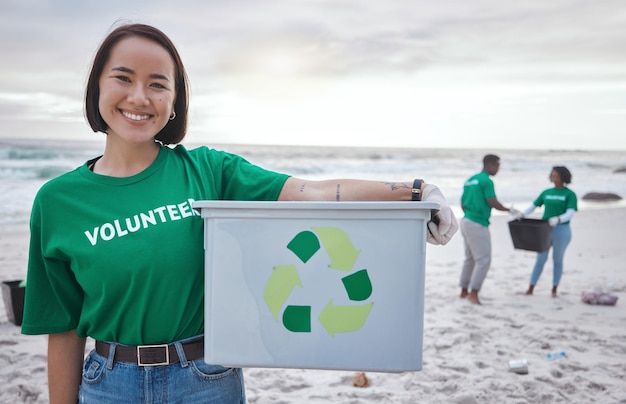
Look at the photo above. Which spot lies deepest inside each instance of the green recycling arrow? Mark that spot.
(342, 253)
(297, 318)
(358, 285)
(344, 318)
(282, 281)
(304, 245)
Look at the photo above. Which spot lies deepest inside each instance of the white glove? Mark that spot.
(553, 221)
(443, 223)
(517, 215)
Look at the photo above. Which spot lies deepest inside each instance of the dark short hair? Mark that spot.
(564, 173)
(175, 130)
(490, 159)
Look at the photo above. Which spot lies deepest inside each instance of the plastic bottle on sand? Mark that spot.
(554, 355)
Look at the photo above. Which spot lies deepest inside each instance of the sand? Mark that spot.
(467, 348)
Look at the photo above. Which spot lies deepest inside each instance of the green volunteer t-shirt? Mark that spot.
(476, 190)
(556, 201)
(122, 259)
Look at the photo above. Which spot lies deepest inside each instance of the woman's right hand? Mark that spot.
(443, 224)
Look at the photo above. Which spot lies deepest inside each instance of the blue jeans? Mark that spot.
(561, 236)
(105, 381)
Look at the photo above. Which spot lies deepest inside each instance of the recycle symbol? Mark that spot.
(285, 278)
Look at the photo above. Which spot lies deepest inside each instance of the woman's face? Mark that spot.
(556, 178)
(137, 89)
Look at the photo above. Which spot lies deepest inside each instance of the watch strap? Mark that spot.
(416, 191)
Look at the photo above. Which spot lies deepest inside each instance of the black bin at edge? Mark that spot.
(13, 296)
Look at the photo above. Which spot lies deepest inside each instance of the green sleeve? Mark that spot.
(244, 181)
(572, 201)
(53, 297)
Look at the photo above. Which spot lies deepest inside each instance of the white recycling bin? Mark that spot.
(318, 285)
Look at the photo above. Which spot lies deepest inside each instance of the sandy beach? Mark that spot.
(467, 348)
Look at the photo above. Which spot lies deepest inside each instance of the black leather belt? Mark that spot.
(152, 355)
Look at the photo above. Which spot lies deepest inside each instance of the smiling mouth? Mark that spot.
(135, 117)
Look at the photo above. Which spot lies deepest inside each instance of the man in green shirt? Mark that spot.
(478, 198)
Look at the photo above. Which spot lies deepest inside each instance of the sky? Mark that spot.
(530, 74)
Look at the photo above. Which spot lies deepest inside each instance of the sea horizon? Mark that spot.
(26, 164)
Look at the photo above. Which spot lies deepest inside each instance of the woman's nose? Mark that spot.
(138, 95)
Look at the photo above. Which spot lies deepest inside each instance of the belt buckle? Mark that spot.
(164, 346)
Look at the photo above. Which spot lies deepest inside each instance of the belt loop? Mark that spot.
(181, 354)
(111, 358)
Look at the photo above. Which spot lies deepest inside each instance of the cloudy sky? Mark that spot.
(416, 73)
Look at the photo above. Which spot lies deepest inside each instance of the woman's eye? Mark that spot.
(158, 85)
(123, 78)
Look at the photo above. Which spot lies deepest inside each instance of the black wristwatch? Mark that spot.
(416, 191)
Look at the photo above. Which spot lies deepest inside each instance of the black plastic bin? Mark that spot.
(531, 234)
(13, 296)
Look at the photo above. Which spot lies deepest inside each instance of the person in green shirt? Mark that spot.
(560, 203)
(477, 200)
(116, 250)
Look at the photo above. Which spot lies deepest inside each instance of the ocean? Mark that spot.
(26, 164)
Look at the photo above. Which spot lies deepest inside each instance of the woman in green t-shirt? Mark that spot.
(116, 251)
(560, 204)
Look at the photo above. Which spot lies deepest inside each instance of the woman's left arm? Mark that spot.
(442, 227)
(296, 189)
(565, 217)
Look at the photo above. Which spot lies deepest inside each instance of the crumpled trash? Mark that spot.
(598, 297)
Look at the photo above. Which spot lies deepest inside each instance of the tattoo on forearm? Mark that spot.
(397, 185)
(338, 193)
(302, 186)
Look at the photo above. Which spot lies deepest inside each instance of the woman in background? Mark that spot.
(560, 205)
(116, 249)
